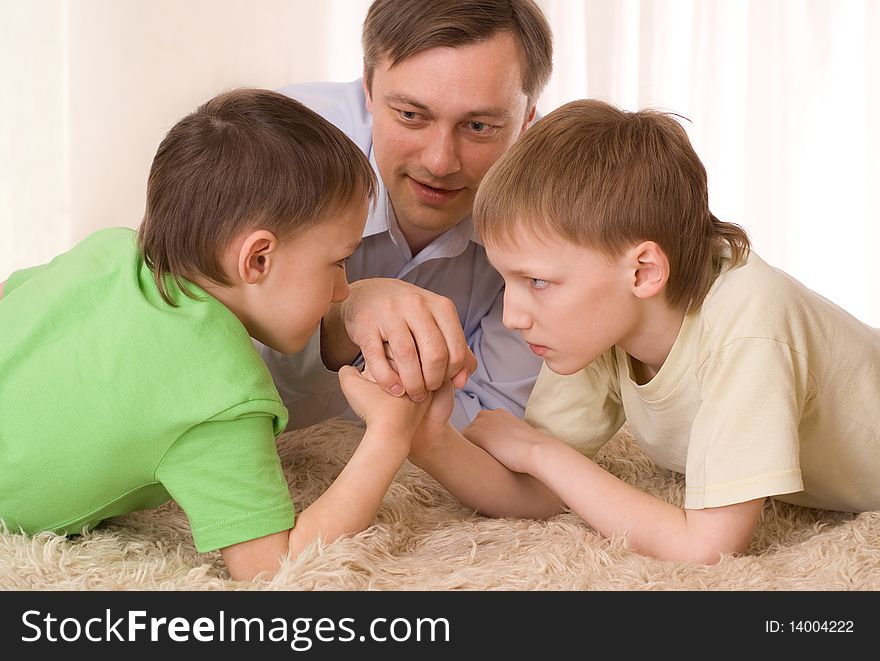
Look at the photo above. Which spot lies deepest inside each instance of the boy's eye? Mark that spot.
(341, 262)
(538, 283)
(409, 115)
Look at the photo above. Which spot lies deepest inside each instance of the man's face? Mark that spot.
(440, 119)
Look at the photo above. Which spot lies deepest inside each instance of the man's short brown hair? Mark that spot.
(399, 29)
(607, 179)
(246, 159)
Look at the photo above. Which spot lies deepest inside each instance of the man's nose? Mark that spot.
(440, 156)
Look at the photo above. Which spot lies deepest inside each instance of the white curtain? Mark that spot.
(784, 102)
(781, 95)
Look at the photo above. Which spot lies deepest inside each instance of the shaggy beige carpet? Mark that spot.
(423, 539)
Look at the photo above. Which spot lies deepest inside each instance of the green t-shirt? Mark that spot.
(113, 401)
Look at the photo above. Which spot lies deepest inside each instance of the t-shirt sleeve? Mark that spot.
(583, 409)
(744, 441)
(18, 278)
(227, 478)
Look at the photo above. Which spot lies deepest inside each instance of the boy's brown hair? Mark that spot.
(246, 159)
(399, 29)
(607, 179)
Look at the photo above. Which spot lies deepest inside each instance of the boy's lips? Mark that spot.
(538, 349)
(431, 194)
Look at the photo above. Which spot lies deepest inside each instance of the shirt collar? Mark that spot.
(378, 221)
(451, 243)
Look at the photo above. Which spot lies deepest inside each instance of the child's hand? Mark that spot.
(506, 437)
(436, 419)
(400, 415)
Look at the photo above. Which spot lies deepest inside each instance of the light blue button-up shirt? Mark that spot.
(453, 265)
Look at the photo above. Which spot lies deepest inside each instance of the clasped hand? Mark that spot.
(405, 420)
(411, 339)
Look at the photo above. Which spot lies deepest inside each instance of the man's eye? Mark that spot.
(409, 115)
(482, 128)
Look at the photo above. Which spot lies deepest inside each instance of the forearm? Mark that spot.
(652, 526)
(337, 349)
(350, 504)
(480, 482)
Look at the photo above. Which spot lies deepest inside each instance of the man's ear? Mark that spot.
(530, 117)
(367, 94)
(255, 257)
(650, 269)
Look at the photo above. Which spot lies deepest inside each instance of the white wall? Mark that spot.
(33, 128)
(784, 100)
(88, 89)
(783, 95)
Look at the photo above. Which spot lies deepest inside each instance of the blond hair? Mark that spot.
(607, 179)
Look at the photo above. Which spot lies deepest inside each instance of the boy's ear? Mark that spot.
(255, 256)
(650, 268)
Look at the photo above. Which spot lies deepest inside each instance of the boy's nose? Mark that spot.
(514, 316)
(340, 287)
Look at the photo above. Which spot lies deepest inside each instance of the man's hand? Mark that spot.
(411, 338)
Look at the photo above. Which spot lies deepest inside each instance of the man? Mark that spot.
(448, 87)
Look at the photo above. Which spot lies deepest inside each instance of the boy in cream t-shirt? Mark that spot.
(648, 310)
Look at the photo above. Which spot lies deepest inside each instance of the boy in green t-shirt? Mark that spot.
(127, 371)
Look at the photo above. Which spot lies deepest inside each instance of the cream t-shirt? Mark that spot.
(769, 390)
